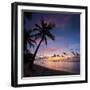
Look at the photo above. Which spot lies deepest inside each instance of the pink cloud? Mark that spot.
(51, 49)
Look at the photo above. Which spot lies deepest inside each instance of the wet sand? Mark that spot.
(42, 71)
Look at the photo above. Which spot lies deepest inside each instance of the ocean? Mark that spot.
(72, 66)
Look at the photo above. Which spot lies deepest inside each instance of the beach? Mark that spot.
(39, 69)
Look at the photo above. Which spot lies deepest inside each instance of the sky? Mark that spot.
(66, 32)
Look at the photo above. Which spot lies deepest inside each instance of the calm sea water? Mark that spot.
(70, 66)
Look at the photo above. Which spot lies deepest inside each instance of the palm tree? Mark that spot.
(77, 54)
(65, 53)
(74, 54)
(28, 39)
(43, 34)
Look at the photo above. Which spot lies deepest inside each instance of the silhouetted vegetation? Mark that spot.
(42, 32)
(28, 39)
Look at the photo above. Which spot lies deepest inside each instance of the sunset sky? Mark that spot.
(66, 32)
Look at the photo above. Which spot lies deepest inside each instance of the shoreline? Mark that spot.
(43, 71)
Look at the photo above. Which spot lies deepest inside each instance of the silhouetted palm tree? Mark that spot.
(57, 55)
(65, 53)
(43, 34)
(62, 56)
(77, 54)
(73, 53)
(29, 39)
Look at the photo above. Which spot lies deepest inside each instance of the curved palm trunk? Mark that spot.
(33, 58)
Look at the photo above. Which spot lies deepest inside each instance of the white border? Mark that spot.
(82, 48)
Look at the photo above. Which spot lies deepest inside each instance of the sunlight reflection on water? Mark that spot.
(69, 66)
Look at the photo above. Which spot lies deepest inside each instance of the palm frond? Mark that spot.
(73, 53)
(31, 40)
(38, 26)
(31, 44)
(36, 29)
(49, 34)
(42, 23)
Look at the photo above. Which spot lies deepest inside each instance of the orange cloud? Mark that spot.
(52, 49)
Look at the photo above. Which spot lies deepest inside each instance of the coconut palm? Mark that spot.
(74, 54)
(77, 54)
(64, 53)
(43, 34)
(28, 39)
(62, 56)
